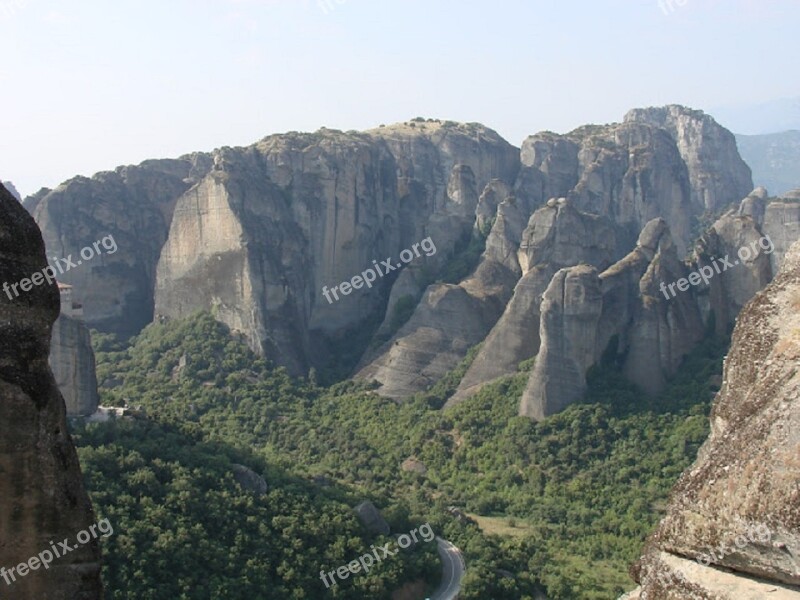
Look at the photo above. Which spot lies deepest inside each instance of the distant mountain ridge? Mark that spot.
(782, 114)
(774, 159)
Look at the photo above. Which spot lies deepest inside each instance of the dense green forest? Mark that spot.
(561, 506)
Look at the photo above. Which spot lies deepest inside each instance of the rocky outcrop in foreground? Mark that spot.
(732, 529)
(42, 499)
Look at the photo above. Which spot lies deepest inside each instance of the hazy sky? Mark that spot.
(89, 84)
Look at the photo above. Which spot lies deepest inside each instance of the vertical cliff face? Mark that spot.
(671, 163)
(557, 236)
(571, 309)
(42, 498)
(655, 329)
(666, 165)
(255, 234)
(736, 508)
(583, 310)
(746, 248)
(73, 365)
(134, 205)
(718, 174)
(655, 332)
(271, 225)
(735, 285)
(782, 224)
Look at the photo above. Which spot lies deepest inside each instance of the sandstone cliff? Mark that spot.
(72, 362)
(134, 205)
(270, 225)
(737, 508)
(557, 236)
(717, 173)
(754, 238)
(583, 311)
(254, 234)
(653, 328)
(673, 164)
(42, 498)
(571, 310)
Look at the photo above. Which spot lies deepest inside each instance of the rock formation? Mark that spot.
(557, 236)
(134, 205)
(672, 164)
(571, 309)
(372, 519)
(249, 480)
(753, 241)
(73, 365)
(717, 173)
(42, 498)
(655, 332)
(732, 528)
(254, 235)
(258, 238)
(448, 321)
(583, 311)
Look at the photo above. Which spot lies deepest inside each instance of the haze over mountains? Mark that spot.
(762, 118)
(768, 137)
(774, 158)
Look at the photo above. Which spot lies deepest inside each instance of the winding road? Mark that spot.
(453, 569)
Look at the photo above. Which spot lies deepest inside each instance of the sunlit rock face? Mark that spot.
(255, 234)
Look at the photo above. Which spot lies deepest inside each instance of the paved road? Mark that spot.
(453, 569)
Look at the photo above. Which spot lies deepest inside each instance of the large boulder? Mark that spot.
(371, 518)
